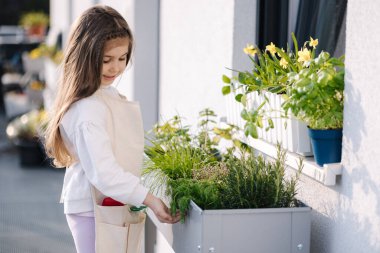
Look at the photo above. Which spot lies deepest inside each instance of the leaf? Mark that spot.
(216, 139)
(323, 78)
(295, 44)
(251, 130)
(226, 90)
(259, 121)
(302, 82)
(238, 97)
(237, 143)
(242, 77)
(244, 114)
(226, 79)
(226, 136)
(262, 104)
(217, 130)
(270, 122)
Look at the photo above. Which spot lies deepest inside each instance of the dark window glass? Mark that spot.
(272, 22)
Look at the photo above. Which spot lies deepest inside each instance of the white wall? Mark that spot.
(59, 19)
(146, 58)
(360, 200)
(346, 218)
(196, 41)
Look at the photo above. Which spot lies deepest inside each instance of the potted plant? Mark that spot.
(23, 131)
(45, 58)
(231, 201)
(46, 51)
(315, 96)
(35, 23)
(261, 90)
(311, 88)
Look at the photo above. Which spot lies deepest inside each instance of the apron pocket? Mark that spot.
(135, 237)
(115, 215)
(111, 238)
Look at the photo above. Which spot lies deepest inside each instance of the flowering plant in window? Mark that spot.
(278, 71)
(315, 94)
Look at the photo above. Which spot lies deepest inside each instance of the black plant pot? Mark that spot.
(30, 153)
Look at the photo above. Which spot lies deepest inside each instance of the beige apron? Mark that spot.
(118, 229)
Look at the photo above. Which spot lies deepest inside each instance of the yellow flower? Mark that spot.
(250, 49)
(282, 50)
(271, 48)
(338, 95)
(313, 43)
(304, 56)
(35, 53)
(36, 85)
(283, 63)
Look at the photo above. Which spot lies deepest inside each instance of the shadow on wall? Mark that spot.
(338, 226)
(357, 223)
(354, 133)
(355, 231)
(346, 216)
(353, 129)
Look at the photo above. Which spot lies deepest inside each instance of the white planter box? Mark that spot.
(272, 230)
(294, 137)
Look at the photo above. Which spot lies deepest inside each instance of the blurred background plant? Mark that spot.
(27, 127)
(35, 18)
(51, 52)
(35, 23)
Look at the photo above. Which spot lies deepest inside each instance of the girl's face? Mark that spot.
(114, 60)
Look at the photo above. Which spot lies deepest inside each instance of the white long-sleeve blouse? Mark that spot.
(83, 129)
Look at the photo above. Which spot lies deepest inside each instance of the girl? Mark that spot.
(93, 131)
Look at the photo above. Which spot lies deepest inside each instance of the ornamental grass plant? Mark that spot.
(193, 167)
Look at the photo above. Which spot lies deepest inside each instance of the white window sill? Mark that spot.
(325, 175)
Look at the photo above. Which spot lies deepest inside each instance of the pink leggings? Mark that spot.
(82, 228)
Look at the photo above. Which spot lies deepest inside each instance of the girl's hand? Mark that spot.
(161, 211)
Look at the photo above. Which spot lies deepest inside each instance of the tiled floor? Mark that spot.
(31, 219)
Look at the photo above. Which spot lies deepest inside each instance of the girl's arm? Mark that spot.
(160, 209)
(100, 166)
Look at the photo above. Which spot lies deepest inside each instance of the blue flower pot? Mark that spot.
(327, 145)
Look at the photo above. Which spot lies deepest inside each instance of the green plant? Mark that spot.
(269, 71)
(209, 134)
(315, 94)
(44, 50)
(190, 171)
(35, 18)
(203, 192)
(254, 182)
(277, 71)
(172, 157)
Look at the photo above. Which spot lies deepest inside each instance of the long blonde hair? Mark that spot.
(81, 70)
